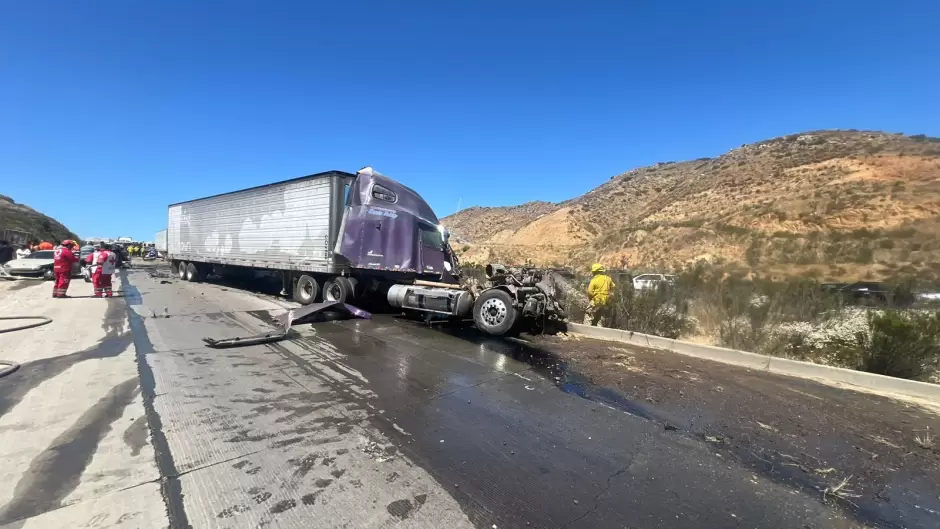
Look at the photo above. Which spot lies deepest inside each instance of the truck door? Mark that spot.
(431, 254)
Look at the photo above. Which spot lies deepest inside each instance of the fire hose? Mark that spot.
(6, 366)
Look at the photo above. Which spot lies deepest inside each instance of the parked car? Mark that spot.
(866, 292)
(653, 281)
(37, 264)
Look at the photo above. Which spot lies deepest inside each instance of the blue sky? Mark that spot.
(139, 104)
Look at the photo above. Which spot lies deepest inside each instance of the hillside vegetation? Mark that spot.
(838, 205)
(24, 218)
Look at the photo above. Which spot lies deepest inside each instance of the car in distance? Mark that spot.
(653, 281)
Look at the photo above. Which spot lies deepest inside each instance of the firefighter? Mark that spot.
(104, 262)
(600, 291)
(63, 260)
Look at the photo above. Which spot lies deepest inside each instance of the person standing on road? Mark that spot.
(6, 252)
(104, 264)
(23, 252)
(63, 259)
(600, 291)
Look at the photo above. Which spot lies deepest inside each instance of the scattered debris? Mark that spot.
(825, 471)
(924, 441)
(286, 320)
(670, 428)
(841, 491)
(377, 452)
(766, 426)
(528, 387)
(711, 439)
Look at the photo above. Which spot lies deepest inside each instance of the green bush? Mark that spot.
(900, 344)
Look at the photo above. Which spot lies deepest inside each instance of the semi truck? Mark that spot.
(341, 236)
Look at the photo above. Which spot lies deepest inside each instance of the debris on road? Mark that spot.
(286, 320)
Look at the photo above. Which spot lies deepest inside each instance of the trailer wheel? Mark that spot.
(306, 289)
(338, 289)
(493, 312)
(192, 273)
(181, 270)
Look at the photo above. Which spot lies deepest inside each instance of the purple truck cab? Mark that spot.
(388, 227)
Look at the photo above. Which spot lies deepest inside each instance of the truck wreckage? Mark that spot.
(341, 237)
(514, 299)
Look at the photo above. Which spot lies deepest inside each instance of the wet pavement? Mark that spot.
(389, 422)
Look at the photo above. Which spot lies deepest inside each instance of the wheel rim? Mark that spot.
(494, 312)
(307, 289)
(333, 292)
(182, 271)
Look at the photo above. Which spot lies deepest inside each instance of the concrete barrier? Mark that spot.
(772, 364)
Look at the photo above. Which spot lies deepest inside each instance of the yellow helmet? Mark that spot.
(597, 267)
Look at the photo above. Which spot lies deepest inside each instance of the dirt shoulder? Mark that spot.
(800, 432)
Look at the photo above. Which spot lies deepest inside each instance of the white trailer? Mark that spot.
(159, 241)
(289, 225)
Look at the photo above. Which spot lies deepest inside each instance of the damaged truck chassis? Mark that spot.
(339, 237)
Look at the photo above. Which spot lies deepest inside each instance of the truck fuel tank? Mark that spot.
(452, 301)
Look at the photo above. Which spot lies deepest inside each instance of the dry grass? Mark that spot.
(841, 491)
(924, 441)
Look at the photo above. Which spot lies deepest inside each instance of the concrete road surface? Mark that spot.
(380, 423)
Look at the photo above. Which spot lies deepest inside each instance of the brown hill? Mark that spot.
(40, 227)
(830, 204)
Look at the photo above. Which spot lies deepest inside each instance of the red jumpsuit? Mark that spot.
(104, 262)
(63, 259)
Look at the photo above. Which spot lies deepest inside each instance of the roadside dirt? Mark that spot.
(863, 452)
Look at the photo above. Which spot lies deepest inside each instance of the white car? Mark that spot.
(35, 264)
(652, 281)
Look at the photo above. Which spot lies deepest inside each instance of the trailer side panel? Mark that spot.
(285, 226)
(160, 242)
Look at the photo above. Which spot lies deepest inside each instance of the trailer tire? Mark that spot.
(192, 273)
(494, 313)
(306, 289)
(338, 289)
(181, 270)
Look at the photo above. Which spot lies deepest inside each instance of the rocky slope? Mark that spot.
(20, 217)
(839, 205)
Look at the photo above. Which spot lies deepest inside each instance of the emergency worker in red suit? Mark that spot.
(63, 259)
(103, 261)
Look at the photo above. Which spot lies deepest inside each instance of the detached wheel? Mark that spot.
(192, 273)
(338, 289)
(306, 290)
(181, 270)
(493, 312)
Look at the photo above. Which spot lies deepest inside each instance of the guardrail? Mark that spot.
(772, 364)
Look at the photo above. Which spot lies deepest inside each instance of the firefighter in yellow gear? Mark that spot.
(600, 293)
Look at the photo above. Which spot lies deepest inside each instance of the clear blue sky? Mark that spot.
(138, 104)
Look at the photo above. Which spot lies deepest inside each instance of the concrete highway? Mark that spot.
(121, 417)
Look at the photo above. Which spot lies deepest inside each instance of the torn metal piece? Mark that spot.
(286, 320)
(318, 308)
(249, 340)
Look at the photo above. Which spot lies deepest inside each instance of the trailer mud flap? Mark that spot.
(286, 320)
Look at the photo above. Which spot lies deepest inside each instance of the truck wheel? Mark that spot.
(192, 273)
(306, 289)
(493, 312)
(338, 289)
(181, 270)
